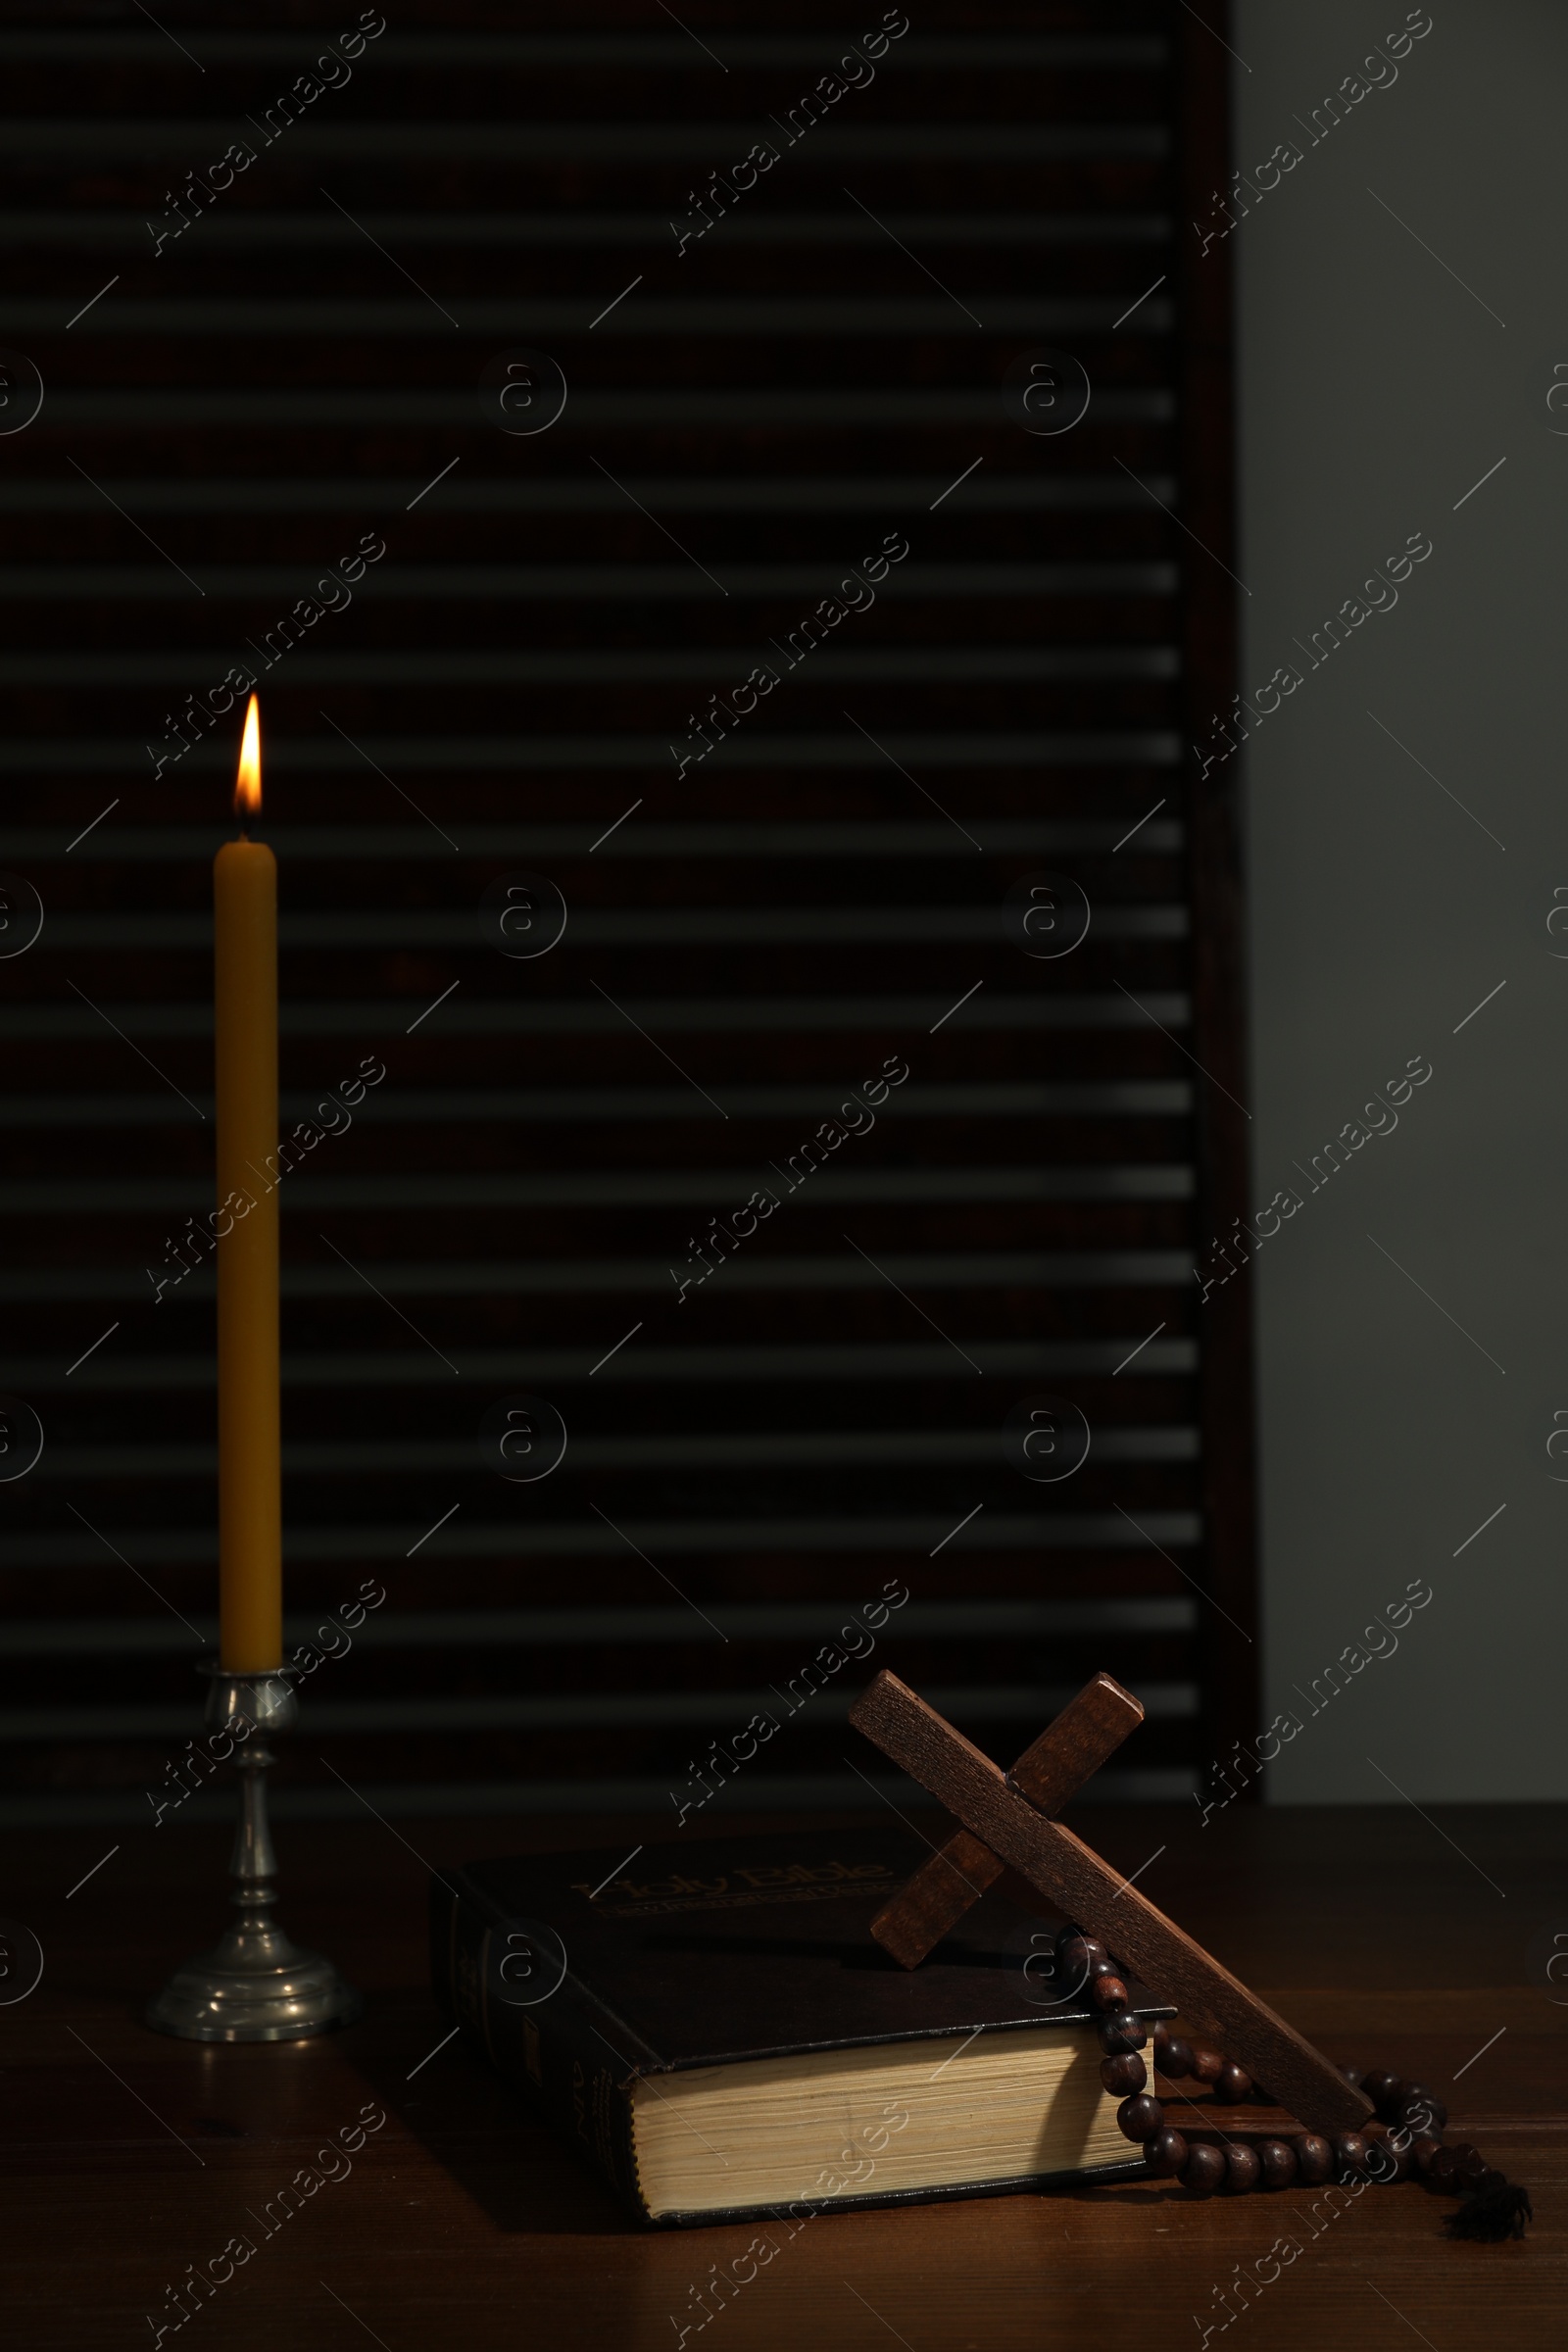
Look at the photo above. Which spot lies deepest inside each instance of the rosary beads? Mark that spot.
(1404, 2139)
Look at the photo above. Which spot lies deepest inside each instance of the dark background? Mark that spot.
(301, 366)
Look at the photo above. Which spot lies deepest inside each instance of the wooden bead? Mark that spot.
(1166, 2152)
(1278, 2160)
(1122, 2029)
(1422, 2114)
(1242, 2169)
(1443, 2171)
(1468, 2164)
(1382, 2087)
(1083, 1957)
(1353, 2075)
(1392, 2159)
(1207, 2065)
(1161, 2041)
(1107, 1992)
(1315, 2157)
(1232, 2084)
(1424, 2149)
(1123, 2074)
(1351, 2154)
(1176, 2061)
(1140, 2117)
(1204, 2169)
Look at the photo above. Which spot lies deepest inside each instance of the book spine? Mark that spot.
(553, 2051)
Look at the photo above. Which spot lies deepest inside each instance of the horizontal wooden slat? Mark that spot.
(866, 1017)
(424, 582)
(590, 1539)
(892, 406)
(404, 1456)
(890, 839)
(415, 1629)
(548, 1792)
(400, 1366)
(789, 926)
(1005, 493)
(110, 138)
(704, 1709)
(824, 314)
(408, 47)
(411, 1107)
(469, 230)
(457, 1278)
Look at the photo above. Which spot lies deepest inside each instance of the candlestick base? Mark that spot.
(255, 1985)
(223, 1995)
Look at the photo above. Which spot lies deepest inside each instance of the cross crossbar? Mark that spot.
(1091, 1727)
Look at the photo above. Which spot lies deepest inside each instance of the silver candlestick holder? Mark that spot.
(256, 1985)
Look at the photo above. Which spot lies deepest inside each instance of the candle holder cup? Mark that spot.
(255, 1985)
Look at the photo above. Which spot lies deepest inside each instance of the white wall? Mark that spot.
(1375, 390)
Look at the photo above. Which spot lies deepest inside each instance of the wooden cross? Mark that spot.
(1001, 1826)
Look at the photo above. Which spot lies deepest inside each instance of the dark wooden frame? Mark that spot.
(1206, 470)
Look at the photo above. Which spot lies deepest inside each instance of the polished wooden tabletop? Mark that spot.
(1390, 1936)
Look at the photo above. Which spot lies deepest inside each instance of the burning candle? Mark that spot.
(249, 1466)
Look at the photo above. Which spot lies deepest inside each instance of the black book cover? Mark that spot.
(574, 1974)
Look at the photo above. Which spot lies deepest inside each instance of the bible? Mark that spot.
(712, 2028)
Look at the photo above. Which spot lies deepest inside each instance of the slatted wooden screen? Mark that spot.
(300, 373)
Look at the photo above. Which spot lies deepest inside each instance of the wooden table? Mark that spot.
(462, 2225)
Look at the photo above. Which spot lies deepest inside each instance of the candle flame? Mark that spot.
(248, 783)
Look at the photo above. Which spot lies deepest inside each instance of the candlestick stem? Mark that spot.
(255, 1985)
